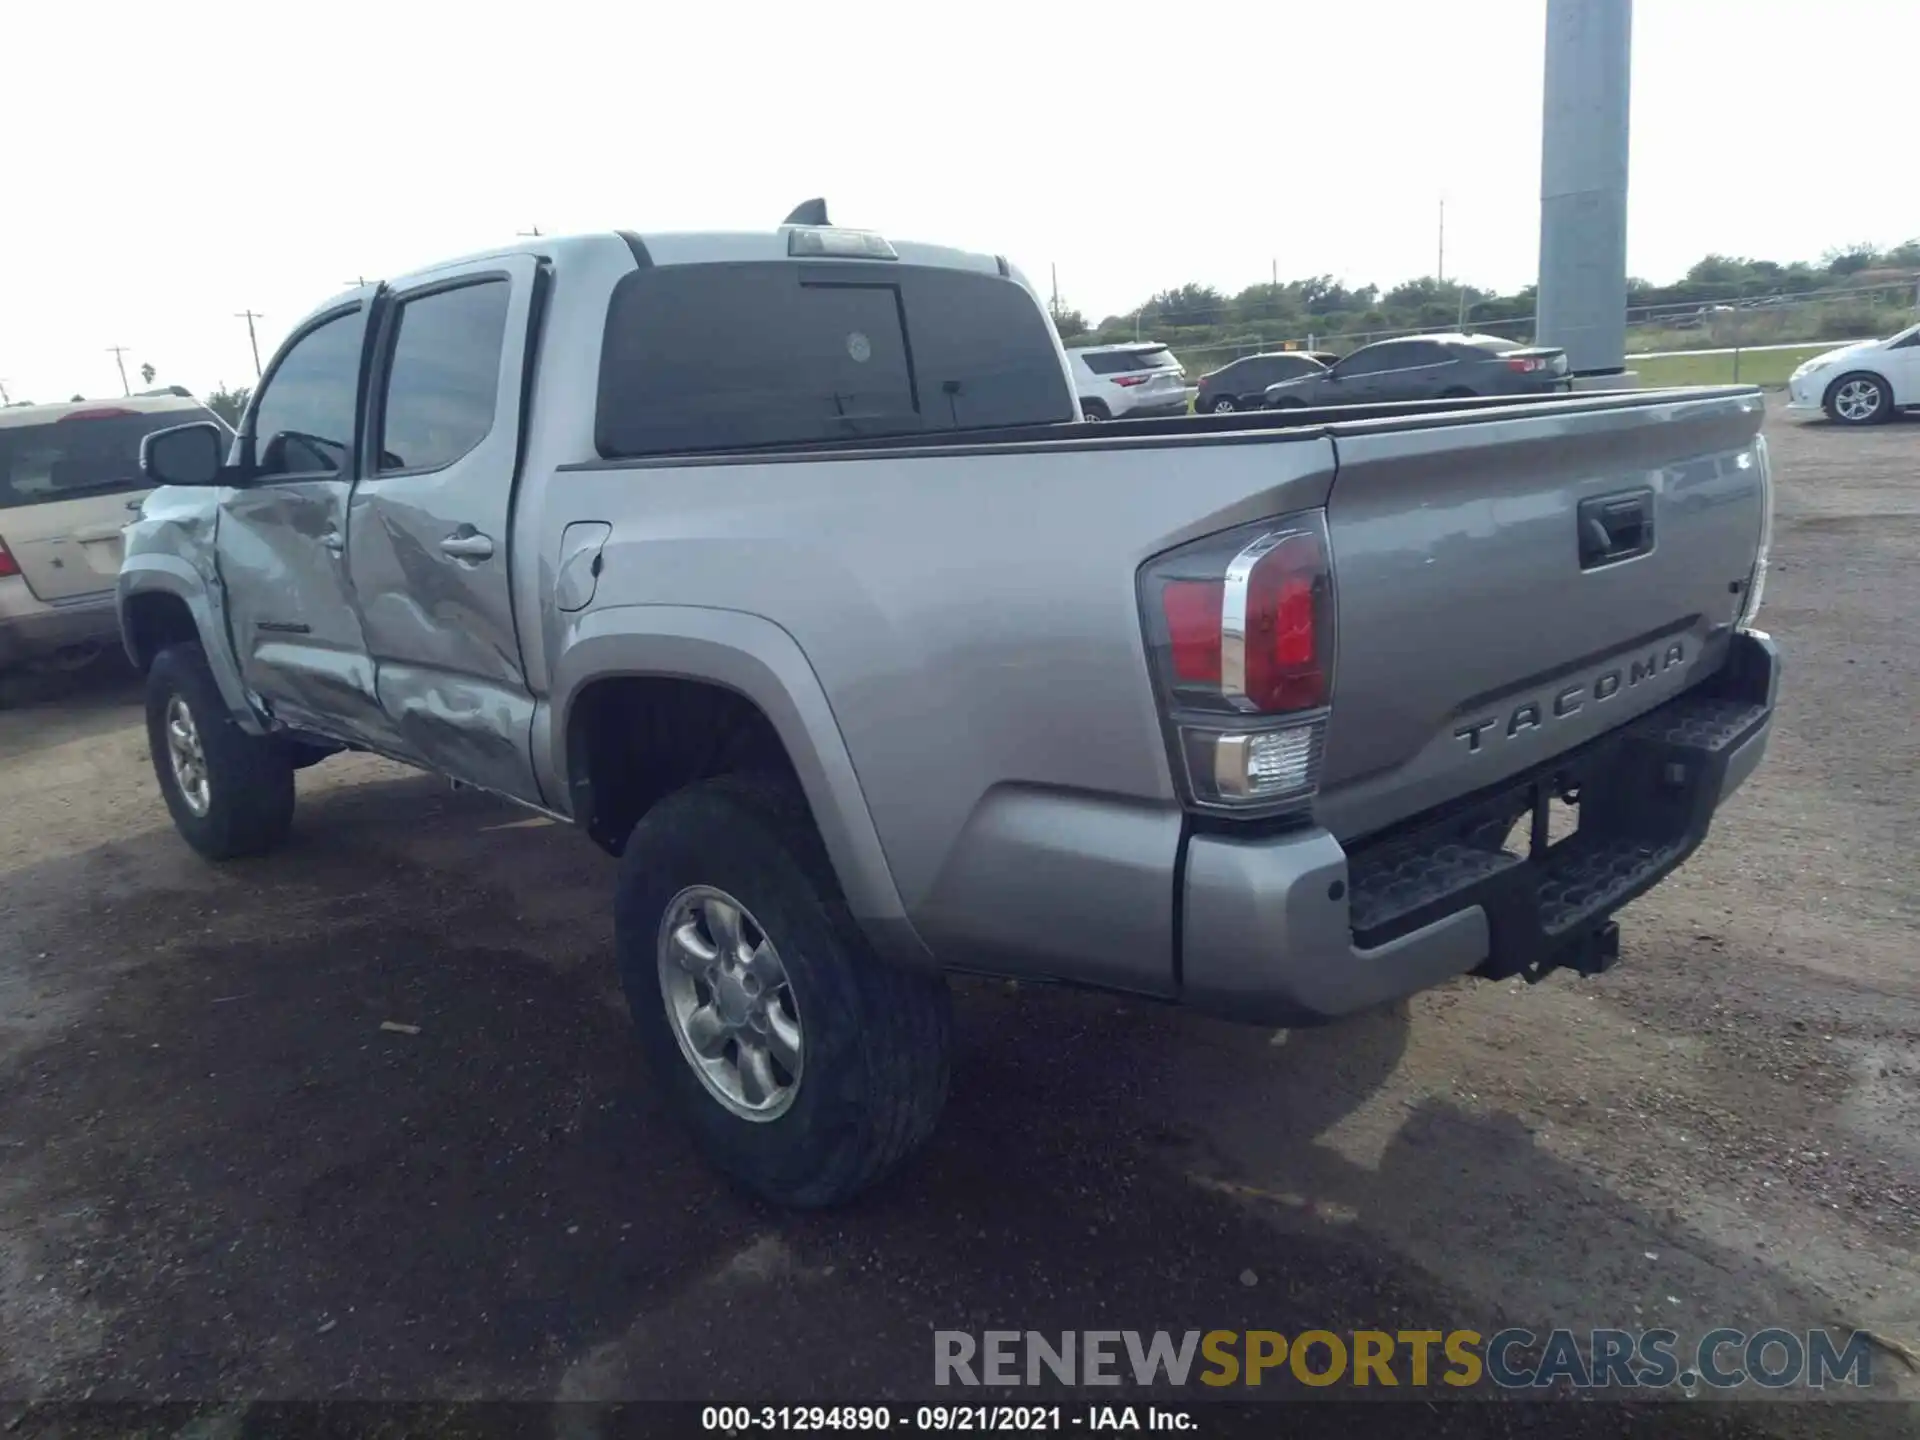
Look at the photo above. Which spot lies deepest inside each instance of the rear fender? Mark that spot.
(758, 660)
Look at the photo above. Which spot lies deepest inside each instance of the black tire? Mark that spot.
(1883, 407)
(1095, 410)
(1458, 392)
(1287, 402)
(876, 1038)
(249, 778)
(1222, 405)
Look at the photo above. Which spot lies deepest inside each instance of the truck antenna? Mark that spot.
(808, 212)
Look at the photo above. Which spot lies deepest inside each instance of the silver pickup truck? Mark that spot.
(780, 564)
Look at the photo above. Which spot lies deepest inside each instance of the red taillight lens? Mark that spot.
(1282, 658)
(8, 565)
(1192, 608)
(1525, 366)
(1240, 627)
(1131, 380)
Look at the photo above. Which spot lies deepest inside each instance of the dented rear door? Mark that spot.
(428, 522)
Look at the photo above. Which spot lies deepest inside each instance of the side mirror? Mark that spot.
(184, 455)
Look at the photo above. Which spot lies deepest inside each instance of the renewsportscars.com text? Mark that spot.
(1772, 1358)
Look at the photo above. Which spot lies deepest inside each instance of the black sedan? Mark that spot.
(1428, 367)
(1242, 385)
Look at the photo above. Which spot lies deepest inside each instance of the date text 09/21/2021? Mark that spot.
(943, 1419)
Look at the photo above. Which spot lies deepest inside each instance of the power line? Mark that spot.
(252, 339)
(528, 234)
(119, 353)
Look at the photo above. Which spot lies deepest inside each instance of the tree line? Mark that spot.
(1199, 315)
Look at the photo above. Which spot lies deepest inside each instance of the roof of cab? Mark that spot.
(692, 247)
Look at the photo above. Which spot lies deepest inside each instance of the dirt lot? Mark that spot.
(221, 1178)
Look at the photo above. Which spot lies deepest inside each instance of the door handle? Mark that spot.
(468, 545)
(334, 541)
(1614, 528)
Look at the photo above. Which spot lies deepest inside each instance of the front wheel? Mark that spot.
(1224, 405)
(230, 793)
(1859, 399)
(804, 1067)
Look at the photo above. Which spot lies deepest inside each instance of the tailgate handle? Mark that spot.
(1615, 528)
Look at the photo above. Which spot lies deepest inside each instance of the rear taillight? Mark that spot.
(1241, 629)
(1527, 366)
(1130, 380)
(8, 565)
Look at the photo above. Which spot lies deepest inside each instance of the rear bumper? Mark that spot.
(33, 629)
(1295, 929)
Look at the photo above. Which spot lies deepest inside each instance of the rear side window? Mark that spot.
(88, 452)
(730, 356)
(444, 376)
(1374, 358)
(1120, 362)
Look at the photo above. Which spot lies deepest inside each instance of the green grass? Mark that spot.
(1757, 367)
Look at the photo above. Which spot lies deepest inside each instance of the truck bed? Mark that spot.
(1239, 427)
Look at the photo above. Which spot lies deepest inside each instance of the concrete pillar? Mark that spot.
(1583, 182)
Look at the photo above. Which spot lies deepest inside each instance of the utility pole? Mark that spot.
(356, 282)
(1441, 273)
(1056, 286)
(534, 233)
(119, 358)
(5, 399)
(252, 339)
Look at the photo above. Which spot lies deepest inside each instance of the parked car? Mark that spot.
(69, 480)
(782, 568)
(1429, 367)
(1861, 384)
(1130, 381)
(1242, 384)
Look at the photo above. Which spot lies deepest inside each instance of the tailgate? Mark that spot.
(1513, 584)
(69, 548)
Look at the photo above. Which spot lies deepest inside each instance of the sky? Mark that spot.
(171, 165)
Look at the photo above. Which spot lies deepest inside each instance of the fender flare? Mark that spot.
(162, 574)
(762, 662)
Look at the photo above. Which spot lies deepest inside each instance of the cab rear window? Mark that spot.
(760, 354)
(87, 452)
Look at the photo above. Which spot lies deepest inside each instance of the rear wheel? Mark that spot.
(1224, 405)
(1458, 392)
(1858, 399)
(804, 1066)
(1094, 410)
(230, 793)
(1287, 402)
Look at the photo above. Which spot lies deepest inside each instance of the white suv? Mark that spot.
(1129, 382)
(69, 481)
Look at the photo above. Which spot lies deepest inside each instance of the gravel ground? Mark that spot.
(222, 1179)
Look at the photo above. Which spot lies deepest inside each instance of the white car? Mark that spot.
(1861, 384)
(1129, 382)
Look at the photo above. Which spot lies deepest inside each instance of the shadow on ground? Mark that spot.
(241, 1180)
